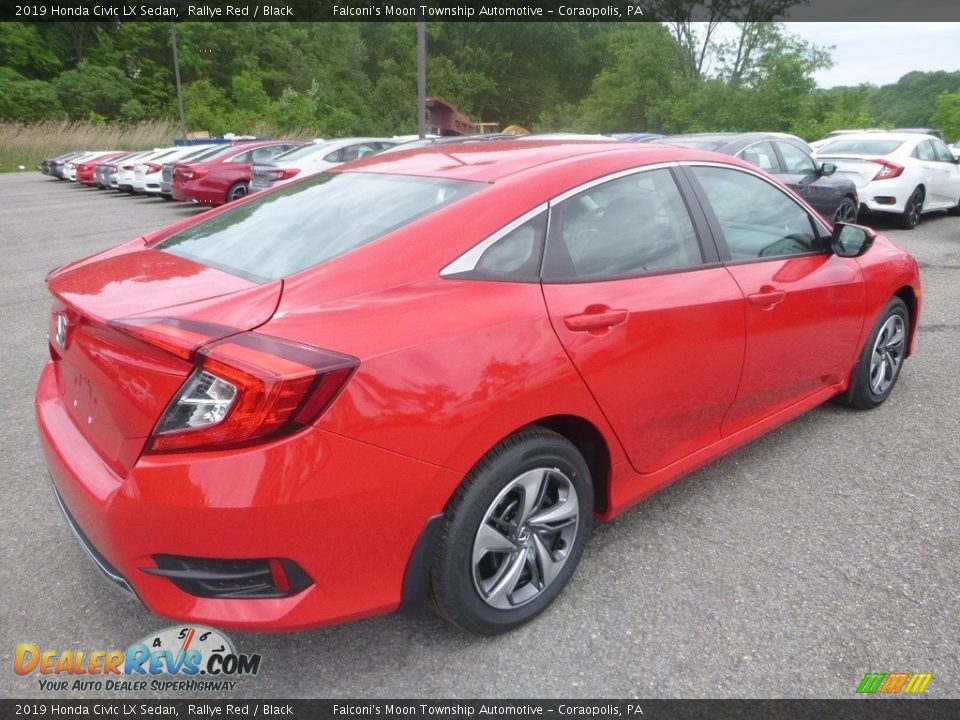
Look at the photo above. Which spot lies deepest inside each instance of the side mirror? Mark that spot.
(851, 240)
(827, 169)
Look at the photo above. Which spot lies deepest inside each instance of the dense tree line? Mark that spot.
(344, 78)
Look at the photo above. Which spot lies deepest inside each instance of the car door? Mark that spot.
(948, 190)
(805, 305)
(802, 174)
(651, 320)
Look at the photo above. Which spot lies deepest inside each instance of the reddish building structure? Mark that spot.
(446, 120)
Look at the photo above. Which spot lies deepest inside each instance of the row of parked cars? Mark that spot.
(904, 173)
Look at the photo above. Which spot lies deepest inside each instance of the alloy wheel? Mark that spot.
(887, 354)
(846, 213)
(525, 538)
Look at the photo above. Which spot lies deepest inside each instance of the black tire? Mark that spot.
(910, 217)
(492, 496)
(237, 191)
(846, 211)
(955, 210)
(865, 392)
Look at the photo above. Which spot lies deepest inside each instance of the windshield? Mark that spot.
(307, 223)
(861, 146)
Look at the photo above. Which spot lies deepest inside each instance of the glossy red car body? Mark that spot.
(447, 368)
(210, 182)
(85, 170)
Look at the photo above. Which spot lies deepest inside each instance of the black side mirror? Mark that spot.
(851, 240)
(827, 169)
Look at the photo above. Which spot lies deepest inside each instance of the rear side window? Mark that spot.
(630, 226)
(925, 151)
(763, 156)
(512, 254)
(311, 222)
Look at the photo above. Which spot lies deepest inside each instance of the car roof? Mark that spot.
(901, 136)
(491, 161)
(724, 141)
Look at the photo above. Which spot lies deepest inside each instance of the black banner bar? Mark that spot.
(465, 11)
(854, 709)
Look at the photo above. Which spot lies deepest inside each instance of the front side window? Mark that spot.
(311, 222)
(757, 219)
(941, 151)
(629, 226)
(796, 161)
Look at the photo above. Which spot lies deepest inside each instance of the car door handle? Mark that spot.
(767, 298)
(595, 317)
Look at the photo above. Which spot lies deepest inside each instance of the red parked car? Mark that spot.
(85, 170)
(437, 368)
(225, 176)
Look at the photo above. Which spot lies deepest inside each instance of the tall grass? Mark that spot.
(28, 145)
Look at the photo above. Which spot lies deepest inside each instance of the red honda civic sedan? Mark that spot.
(224, 177)
(428, 373)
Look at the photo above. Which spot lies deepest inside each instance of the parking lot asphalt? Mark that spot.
(825, 550)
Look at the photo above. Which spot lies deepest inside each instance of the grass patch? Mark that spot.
(28, 145)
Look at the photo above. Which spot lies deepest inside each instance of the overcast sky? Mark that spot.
(879, 52)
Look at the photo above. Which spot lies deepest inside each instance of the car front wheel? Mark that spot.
(881, 360)
(513, 533)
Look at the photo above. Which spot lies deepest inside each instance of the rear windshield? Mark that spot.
(301, 152)
(695, 143)
(862, 146)
(308, 223)
(205, 153)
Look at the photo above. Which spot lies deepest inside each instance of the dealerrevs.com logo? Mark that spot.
(197, 658)
(894, 683)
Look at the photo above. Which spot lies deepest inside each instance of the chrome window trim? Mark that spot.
(566, 195)
(468, 261)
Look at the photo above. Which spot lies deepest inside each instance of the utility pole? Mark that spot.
(422, 78)
(176, 72)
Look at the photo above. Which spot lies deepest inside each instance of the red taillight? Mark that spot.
(245, 387)
(284, 173)
(888, 170)
(188, 174)
(153, 167)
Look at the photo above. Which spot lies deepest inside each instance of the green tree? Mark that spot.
(92, 89)
(23, 49)
(946, 116)
(27, 100)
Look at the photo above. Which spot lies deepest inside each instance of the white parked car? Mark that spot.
(148, 172)
(905, 174)
(312, 159)
(127, 170)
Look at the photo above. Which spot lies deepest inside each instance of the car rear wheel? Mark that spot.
(237, 191)
(913, 209)
(881, 361)
(513, 533)
(846, 212)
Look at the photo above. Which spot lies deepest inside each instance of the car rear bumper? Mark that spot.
(348, 513)
(886, 196)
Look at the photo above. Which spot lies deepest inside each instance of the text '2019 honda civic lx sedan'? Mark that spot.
(436, 369)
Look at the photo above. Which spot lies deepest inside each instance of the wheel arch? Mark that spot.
(907, 294)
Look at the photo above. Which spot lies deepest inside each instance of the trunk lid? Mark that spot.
(861, 169)
(116, 384)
